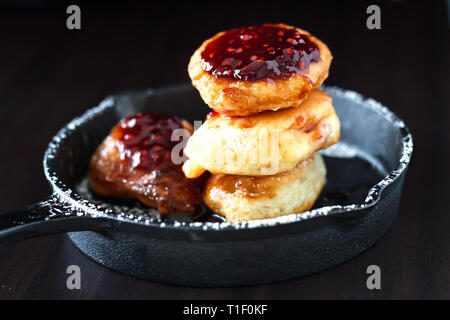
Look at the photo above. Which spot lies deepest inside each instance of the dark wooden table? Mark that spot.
(49, 74)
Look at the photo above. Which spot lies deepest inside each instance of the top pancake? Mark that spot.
(241, 93)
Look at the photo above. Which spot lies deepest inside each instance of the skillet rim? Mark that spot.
(83, 207)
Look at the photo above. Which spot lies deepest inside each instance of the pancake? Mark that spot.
(267, 143)
(134, 162)
(243, 198)
(277, 79)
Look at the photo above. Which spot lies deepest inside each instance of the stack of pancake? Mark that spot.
(269, 120)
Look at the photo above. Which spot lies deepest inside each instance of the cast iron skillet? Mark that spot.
(375, 147)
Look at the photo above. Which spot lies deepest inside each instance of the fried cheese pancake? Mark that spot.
(243, 198)
(263, 144)
(134, 162)
(248, 70)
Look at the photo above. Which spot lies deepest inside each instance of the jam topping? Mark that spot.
(211, 115)
(145, 139)
(135, 162)
(259, 52)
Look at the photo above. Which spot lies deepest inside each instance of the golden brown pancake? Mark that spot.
(242, 198)
(263, 144)
(134, 162)
(236, 97)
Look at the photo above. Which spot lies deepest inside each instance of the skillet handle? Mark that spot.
(46, 217)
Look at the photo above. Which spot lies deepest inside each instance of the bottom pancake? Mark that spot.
(242, 198)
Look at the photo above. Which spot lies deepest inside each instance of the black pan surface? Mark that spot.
(358, 205)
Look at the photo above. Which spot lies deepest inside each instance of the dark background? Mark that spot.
(48, 75)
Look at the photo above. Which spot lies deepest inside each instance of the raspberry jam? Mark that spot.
(259, 52)
(144, 139)
(211, 115)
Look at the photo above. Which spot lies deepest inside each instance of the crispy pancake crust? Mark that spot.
(242, 198)
(241, 98)
(263, 144)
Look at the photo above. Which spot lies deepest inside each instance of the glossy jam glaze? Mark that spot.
(135, 162)
(145, 139)
(259, 52)
(211, 115)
